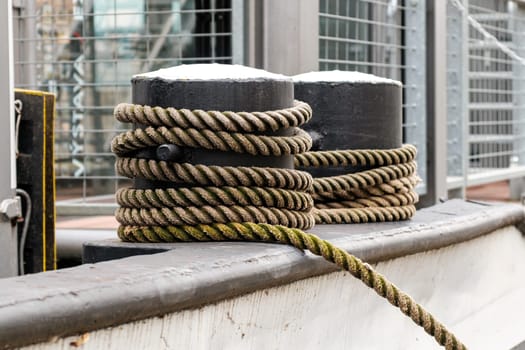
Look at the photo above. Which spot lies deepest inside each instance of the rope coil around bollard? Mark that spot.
(225, 203)
(383, 192)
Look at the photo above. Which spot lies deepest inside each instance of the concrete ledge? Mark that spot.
(93, 296)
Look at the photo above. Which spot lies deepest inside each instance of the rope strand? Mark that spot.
(304, 241)
(225, 203)
(228, 121)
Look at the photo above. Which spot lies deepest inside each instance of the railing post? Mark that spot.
(517, 28)
(436, 125)
(8, 236)
(290, 36)
(415, 85)
(238, 31)
(457, 101)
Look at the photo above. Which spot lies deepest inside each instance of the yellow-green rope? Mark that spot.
(300, 240)
(252, 204)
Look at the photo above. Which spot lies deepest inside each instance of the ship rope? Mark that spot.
(233, 203)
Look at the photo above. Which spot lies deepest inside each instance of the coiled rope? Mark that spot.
(383, 192)
(218, 203)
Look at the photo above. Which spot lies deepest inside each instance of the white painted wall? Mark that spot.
(475, 287)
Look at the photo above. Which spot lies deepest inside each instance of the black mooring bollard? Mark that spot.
(213, 87)
(351, 110)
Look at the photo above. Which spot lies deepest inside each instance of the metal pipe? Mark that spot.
(70, 242)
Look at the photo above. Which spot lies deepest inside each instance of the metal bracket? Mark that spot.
(11, 208)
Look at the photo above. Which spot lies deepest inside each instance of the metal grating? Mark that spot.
(494, 91)
(86, 51)
(384, 38)
(494, 99)
(361, 35)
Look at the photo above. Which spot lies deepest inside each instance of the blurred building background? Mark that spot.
(459, 61)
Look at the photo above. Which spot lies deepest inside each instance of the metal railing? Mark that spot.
(385, 38)
(86, 51)
(486, 112)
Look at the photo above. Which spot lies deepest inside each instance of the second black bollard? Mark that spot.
(351, 110)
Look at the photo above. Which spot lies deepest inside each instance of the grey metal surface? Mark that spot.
(517, 25)
(457, 98)
(415, 85)
(254, 33)
(436, 103)
(94, 296)
(8, 237)
(238, 31)
(290, 30)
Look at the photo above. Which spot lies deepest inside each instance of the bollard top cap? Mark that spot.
(337, 76)
(212, 71)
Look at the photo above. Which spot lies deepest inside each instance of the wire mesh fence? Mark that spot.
(493, 103)
(493, 106)
(384, 38)
(85, 51)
